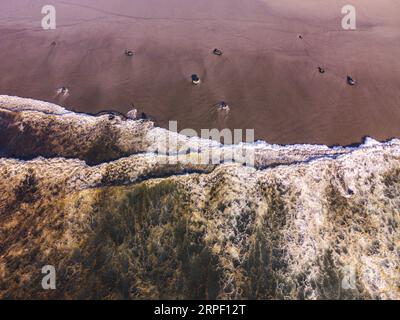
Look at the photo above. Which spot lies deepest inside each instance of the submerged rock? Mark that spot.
(132, 114)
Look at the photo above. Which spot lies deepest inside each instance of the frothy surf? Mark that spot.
(162, 141)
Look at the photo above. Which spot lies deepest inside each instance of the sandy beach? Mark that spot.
(267, 75)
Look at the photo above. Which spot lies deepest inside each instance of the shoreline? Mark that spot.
(48, 107)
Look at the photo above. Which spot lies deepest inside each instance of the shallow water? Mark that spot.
(267, 75)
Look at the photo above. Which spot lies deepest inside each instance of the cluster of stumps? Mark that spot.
(349, 79)
(195, 79)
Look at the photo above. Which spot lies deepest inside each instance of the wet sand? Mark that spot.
(267, 75)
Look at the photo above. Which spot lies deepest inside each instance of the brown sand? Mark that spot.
(267, 75)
